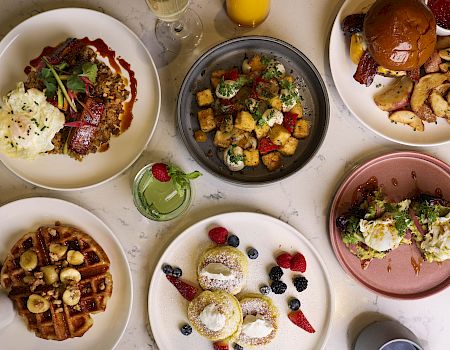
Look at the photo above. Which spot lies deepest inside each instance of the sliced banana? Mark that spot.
(57, 251)
(28, 260)
(69, 275)
(74, 257)
(37, 304)
(50, 274)
(29, 279)
(71, 296)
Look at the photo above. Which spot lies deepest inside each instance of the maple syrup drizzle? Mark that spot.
(389, 268)
(364, 189)
(394, 182)
(416, 265)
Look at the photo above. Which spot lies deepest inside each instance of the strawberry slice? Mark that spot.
(298, 263)
(299, 319)
(160, 172)
(220, 345)
(186, 290)
(218, 235)
(284, 260)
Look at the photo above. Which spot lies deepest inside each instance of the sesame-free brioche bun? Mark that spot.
(401, 34)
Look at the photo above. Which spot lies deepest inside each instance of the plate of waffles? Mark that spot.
(66, 275)
(220, 284)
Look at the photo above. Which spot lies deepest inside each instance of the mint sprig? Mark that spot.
(181, 179)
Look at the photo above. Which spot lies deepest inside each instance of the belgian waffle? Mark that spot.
(61, 321)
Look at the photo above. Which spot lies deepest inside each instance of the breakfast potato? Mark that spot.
(204, 98)
(206, 120)
(407, 118)
(279, 135)
(439, 105)
(297, 109)
(222, 139)
(200, 136)
(251, 157)
(272, 160)
(216, 76)
(301, 128)
(244, 121)
(395, 96)
(276, 103)
(256, 64)
(289, 147)
(261, 130)
(423, 88)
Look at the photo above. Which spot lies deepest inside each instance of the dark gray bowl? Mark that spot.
(232, 53)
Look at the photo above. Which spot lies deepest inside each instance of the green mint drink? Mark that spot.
(163, 195)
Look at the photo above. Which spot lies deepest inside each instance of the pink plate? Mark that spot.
(402, 274)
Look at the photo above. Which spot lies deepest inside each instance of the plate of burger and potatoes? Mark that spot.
(392, 70)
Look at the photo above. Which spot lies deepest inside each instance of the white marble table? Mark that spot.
(305, 24)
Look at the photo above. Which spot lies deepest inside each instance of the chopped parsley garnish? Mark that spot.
(402, 221)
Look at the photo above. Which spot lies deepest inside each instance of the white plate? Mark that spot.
(26, 42)
(167, 309)
(28, 214)
(359, 99)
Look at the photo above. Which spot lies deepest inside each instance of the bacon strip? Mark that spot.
(367, 69)
(414, 74)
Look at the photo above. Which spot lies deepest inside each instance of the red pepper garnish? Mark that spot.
(231, 75)
(266, 145)
(289, 121)
(256, 81)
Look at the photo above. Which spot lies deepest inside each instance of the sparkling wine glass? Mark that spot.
(178, 28)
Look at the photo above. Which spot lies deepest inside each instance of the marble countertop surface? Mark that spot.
(306, 24)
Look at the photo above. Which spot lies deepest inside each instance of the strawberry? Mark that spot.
(160, 172)
(220, 345)
(284, 260)
(218, 235)
(186, 290)
(299, 319)
(298, 263)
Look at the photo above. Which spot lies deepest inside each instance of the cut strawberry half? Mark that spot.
(284, 260)
(299, 319)
(160, 172)
(218, 235)
(186, 290)
(220, 345)
(298, 263)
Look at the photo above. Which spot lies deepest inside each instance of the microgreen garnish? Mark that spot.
(181, 179)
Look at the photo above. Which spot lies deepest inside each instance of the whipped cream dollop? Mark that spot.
(212, 318)
(6, 311)
(256, 326)
(217, 271)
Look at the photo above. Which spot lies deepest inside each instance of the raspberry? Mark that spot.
(300, 283)
(218, 235)
(298, 263)
(160, 173)
(284, 260)
(278, 287)
(220, 345)
(300, 320)
(186, 290)
(275, 273)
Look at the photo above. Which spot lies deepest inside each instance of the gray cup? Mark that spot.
(387, 335)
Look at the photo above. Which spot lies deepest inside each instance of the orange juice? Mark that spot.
(248, 13)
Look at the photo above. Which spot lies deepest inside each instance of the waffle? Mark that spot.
(61, 321)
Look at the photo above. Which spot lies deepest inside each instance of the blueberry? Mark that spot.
(186, 329)
(252, 253)
(167, 269)
(275, 273)
(233, 241)
(177, 272)
(294, 304)
(237, 347)
(264, 290)
(278, 287)
(300, 283)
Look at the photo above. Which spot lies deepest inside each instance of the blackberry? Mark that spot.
(264, 290)
(233, 241)
(252, 253)
(300, 283)
(275, 273)
(294, 304)
(177, 272)
(167, 269)
(278, 287)
(237, 347)
(186, 329)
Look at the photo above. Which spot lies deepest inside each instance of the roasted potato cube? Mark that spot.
(272, 160)
(222, 139)
(204, 98)
(279, 135)
(251, 157)
(206, 120)
(216, 76)
(256, 64)
(261, 130)
(301, 128)
(245, 121)
(276, 103)
(200, 136)
(289, 147)
(297, 109)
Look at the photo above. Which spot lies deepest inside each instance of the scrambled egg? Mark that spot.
(28, 123)
(380, 234)
(436, 243)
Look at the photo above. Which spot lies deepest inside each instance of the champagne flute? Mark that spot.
(178, 28)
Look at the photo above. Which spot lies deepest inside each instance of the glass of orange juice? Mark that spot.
(248, 13)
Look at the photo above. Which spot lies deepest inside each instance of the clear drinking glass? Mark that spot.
(178, 28)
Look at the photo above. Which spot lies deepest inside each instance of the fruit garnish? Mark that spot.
(294, 304)
(233, 241)
(284, 260)
(252, 253)
(220, 345)
(218, 235)
(275, 273)
(299, 319)
(298, 263)
(186, 290)
(160, 172)
(278, 287)
(186, 329)
(300, 283)
(265, 290)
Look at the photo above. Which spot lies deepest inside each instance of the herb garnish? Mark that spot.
(181, 179)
